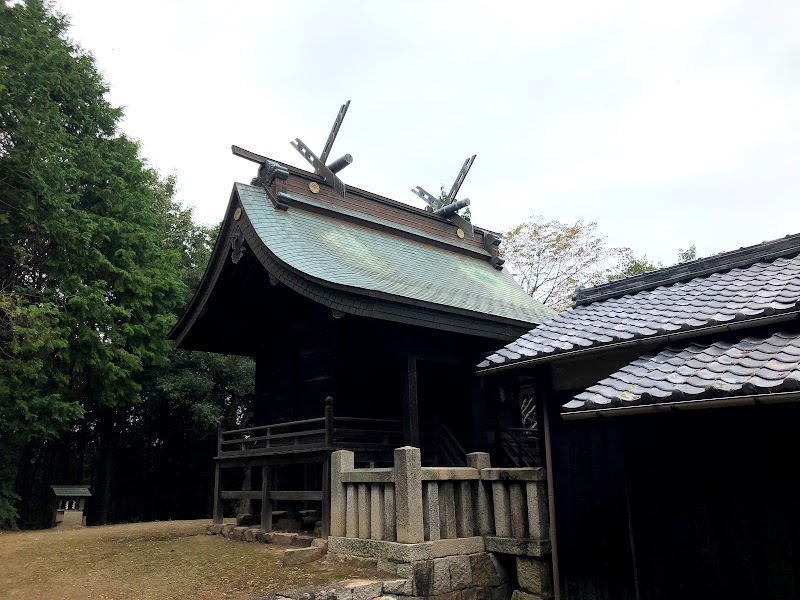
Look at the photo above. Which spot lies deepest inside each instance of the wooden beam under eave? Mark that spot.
(410, 403)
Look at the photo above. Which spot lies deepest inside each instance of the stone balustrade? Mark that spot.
(412, 504)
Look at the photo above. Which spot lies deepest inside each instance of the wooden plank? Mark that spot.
(410, 403)
(266, 502)
(311, 496)
(274, 426)
(217, 499)
(241, 494)
(278, 436)
(326, 497)
(399, 218)
(290, 452)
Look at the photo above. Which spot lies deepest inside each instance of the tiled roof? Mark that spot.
(698, 372)
(740, 294)
(72, 491)
(375, 261)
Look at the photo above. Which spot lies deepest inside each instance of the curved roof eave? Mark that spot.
(339, 297)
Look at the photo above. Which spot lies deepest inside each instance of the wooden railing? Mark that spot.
(518, 446)
(409, 503)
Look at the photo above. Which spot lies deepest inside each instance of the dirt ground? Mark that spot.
(161, 560)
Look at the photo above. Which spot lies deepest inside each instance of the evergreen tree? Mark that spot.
(88, 281)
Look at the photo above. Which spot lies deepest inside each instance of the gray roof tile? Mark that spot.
(697, 372)
(741, 294)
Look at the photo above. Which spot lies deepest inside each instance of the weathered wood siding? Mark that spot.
(714, 505)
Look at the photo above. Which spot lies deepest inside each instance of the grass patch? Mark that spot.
(163, 560)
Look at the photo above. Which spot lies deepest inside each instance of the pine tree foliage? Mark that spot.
(89, 282)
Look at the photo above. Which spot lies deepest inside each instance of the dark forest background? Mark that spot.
(97, 260)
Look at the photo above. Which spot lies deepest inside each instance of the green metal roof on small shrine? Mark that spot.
(374, 261)
(71, 491)
(368, 256)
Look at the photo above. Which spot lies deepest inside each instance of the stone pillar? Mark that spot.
(502, 509)
(408, 495)
(341, 461)
(483, 504)
(538, 517)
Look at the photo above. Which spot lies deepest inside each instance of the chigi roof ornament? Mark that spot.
(449, 206)
(328, 172)
(268, 170)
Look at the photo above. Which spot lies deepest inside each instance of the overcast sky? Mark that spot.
(667, 123)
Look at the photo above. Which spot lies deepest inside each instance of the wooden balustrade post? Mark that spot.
(266, 502)
(408, 495)
(326, 469)
(217, 512)
(329, 422)
(341, 461)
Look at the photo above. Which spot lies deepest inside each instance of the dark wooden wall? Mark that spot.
(713, 502)
(594, 552)
(306, 354)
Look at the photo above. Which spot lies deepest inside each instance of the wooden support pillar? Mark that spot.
(217, 516)
(326, 469)
(480, 442)
(326, 496)
(266, 503)
(410, 403)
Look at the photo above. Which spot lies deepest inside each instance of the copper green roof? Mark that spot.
(363, 255)
(363, 258)
(71, 491)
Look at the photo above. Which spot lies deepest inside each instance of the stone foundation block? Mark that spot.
(474, 593)
(343, 594)
(263, 537)
(401, 587)
(237, 534)
(460, 572)
(215, 529)
(283, 539)
(502, 592)
(487, 570)
(534, 576)
(365, 590)
(301, 556)
(522, 595)
(441, 576)
(250, 535)
(421, 577)
(387, 566)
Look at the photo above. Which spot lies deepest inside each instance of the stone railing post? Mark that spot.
(538, 514)
(483, 508)
(408, 495)
(341, 461)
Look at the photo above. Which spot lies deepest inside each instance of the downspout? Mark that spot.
(551, 507)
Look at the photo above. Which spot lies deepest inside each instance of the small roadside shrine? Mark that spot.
(68, 503)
